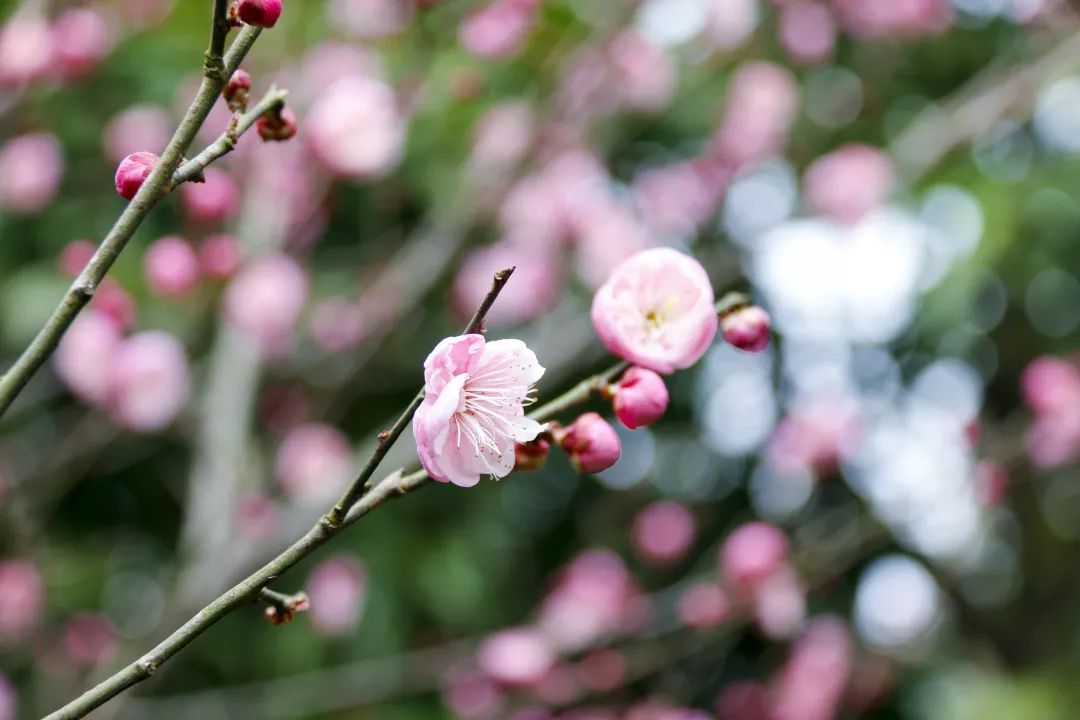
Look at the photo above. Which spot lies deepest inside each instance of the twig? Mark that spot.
(157, 185)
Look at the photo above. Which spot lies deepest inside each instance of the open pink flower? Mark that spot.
(473, 409)
(656, 310)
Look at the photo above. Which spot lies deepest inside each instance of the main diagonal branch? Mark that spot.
(160, 182)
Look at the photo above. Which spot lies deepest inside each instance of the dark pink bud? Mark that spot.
(591, 442)
(641, 398)
(264, 13)
(277, 126)
(531, 455)
(747, 328)
(752, 554)
(237, 90)
(133, 171)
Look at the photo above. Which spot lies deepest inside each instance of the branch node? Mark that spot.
(147, 666)
(214, 68)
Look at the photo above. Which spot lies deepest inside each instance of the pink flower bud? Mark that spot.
(31, 167)
(171, 267)
(263, 13)
(663, 532)
(641, 398)
(531, 455)
(591, 442)
(220, 256)
(747, 328)
(133, 171)
(149, 382)
(75, 256)
(81, 38)
(277, 126)
(237, 90)
(751, 554)
(517, 656)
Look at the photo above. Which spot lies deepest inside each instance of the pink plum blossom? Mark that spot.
(807, 30)
(355, 129)
(212, 200)
(22, 595)
(89, 638)
(371, 18)
(910, 18)
(171, 267)
(656, 310)
(534, 291)
(644, 74)
(591, 443)
(704, 605)
(26, 48)
(133, 171)
(731, 22)
(751, 554)
(84, 358)
(498, 29)
(336, 588)
(641, 398)
(473, 409)
(266, 297)
(337, 324)
(31, 167)
(149, 382)
(812, 683)
(676, 199)
(139, 126)
(848, 183)
(747, 328)
(220, 256)
(81, 38)
(314, 463)
(516, 656)
(502, 137)
(472, 695)
(592, 597)
(779, 603)
(663, 532)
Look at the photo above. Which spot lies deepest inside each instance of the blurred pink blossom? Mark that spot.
(115, 303)
(171, 267)
(328, 62)
(220, 256)
(213, 200)
(256, 516)
(910, 18)
(89, 638)
(703, 605)
(498, 29)
(811, 685)
(473, 409)
(9, 699)
(266, 297)
(676, 199)
(84, 358)
(81, 38)
(807, 30)
(848, 183)
(534, 290)
(815, 435)
(31, 167)
(75, 256)
(591, 599)
(761, 103)
(644, 74)
(744, 700)
(780, 603)
(560, 686)
(22, 597)
(149, 385)
(314, 463)
(337, 324)
(731, 22)
(26, 47)
(354, 128)
(663, 532)
(602, 670)
(136, 128)
(502, 137)
(607, 235)
(146, 13)
(282, 407)
(337, 587)
(472, 695)
(752, 553)
(656, 310)
(516, 656)
(371, 18)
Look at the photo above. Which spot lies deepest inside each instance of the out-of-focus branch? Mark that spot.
(157, 185)
(992, 95)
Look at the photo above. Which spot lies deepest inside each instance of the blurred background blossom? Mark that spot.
(873, 517)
